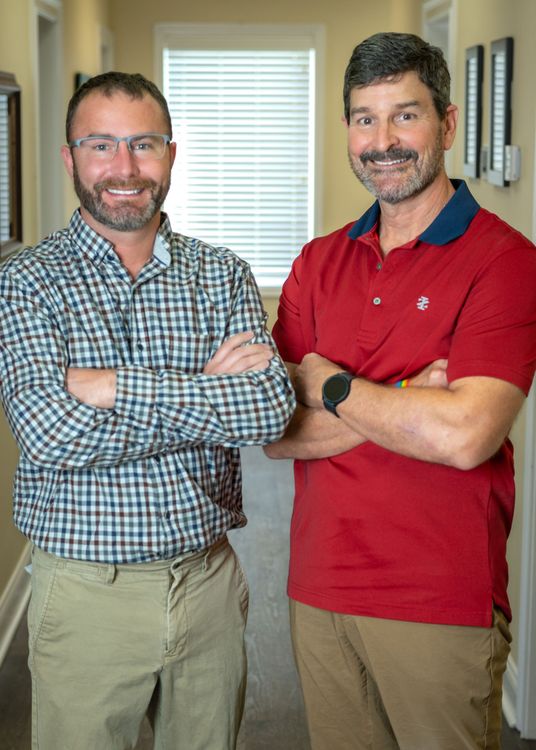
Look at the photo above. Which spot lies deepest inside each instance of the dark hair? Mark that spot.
(386, 56)
(133, 84)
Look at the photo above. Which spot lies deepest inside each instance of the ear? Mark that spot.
(450, 122)
(344, 121)
(172, 152)
(67, 157)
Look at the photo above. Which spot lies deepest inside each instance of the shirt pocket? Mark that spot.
(189, 353)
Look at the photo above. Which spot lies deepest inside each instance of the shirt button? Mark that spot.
(377, 301)
(139, 346)
(157, 459)
(378, 266)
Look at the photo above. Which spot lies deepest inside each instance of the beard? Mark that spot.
(385, 187)
(124, 217)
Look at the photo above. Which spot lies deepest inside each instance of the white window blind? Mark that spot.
(243, 120)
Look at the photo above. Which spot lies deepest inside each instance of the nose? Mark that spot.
(386, 135)
(124, 162)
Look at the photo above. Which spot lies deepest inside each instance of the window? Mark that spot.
(10, 165)
(243, 101)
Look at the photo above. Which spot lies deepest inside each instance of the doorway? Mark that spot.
(50, 129)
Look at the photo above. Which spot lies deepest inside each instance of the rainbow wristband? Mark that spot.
(402, 383)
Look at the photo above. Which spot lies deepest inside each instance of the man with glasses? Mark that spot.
(134, 362)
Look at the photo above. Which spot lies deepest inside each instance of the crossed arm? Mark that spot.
(459, 424)
(97, 387)
(75, 418)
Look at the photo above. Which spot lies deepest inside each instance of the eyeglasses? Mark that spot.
(143, 147)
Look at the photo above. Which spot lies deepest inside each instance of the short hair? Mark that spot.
(133, 84)
(387, 56)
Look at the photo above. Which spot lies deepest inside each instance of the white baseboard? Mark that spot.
(509, 700)
(13, 603)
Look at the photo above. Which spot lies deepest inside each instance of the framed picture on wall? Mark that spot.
(502, 56)
(10, 165)
(79, 79)
(474, 65)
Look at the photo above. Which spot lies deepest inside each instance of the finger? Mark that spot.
(438, 378)
(239, 360)
(233, 342)
(242, 353)
(251, 365)
(246, 360)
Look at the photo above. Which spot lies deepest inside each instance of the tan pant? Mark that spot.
(110, 643)
(373, 684)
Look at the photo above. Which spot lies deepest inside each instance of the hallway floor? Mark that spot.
(274, 717)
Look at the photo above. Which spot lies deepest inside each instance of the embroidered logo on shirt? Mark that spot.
(422, 303)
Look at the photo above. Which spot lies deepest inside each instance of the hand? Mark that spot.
(433, 376)
(93, 386)
(309, 376)
(237, 355)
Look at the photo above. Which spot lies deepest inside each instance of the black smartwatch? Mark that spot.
(335, 390)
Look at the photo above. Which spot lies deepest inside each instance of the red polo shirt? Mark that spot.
(373, 532)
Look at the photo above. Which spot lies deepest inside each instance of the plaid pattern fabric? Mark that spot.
(159, 474)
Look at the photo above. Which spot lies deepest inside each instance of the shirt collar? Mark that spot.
(451, 222)
(98, 248)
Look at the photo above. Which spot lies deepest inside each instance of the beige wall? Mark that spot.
(82, 21)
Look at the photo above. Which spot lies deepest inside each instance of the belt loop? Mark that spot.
(204, 566)
(110, 572)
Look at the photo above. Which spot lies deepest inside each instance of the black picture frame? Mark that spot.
(10, 164)
(79, 79)
(474, 73)
(502, 58)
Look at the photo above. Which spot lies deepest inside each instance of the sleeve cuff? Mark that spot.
(136, 390)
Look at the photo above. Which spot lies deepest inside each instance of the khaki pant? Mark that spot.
(110, 643)
(373, 684)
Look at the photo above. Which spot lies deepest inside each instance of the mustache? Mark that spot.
(125, 185)
(389, 155)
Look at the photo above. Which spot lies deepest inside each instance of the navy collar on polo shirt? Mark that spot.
(451, 222)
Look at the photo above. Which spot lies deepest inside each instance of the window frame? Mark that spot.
(10, 89)
(267, 37)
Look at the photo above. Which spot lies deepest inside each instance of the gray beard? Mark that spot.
(423, 175)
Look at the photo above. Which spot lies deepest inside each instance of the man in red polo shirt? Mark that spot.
(405, 495)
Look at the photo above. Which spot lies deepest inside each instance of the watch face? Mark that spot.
(336, 388)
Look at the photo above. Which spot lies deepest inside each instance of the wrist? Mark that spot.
(336, 389)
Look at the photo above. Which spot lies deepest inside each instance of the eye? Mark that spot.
(146, 143)
(364, 122)
(101, 146)
(406, 116)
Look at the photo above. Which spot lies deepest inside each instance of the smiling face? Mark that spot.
(122, 194)
(396, 140)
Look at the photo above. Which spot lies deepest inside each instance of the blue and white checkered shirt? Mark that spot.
(159, 474)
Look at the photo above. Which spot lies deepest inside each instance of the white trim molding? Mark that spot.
(509, 699)
(526, 671)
